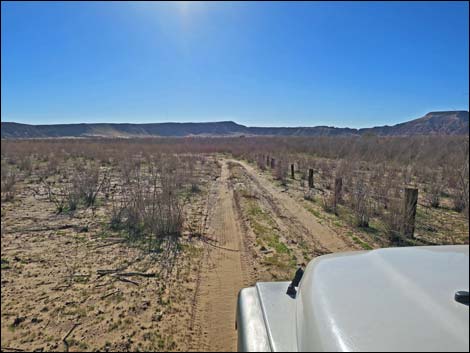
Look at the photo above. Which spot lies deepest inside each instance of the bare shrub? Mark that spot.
(407, 175)
(393, 222)
(461, 195)
(389, 161)
(107, 188)
(72, 195)
(50, 169)
(116, 219)
(345, 168)
(26, 165)
(280, 172)
(327, 172)
(86, 183)
(81, 183)
(434, 192)
(56, 195)
(52, 164)
(360, 202)
(328, 203)
(167, 219)
(9, 178)
(261, 161)
(384, 189)
(191, 176)
(129, 168)
(150, 207)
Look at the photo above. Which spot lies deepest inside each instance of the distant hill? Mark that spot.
(434, 123)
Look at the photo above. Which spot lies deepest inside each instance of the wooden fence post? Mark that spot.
(310, 178)
(338, 189)
(267, 160)
(273, 163)
(411, 203)
(292, 171)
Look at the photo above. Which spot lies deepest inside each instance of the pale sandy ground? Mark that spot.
(229, 266)
(52, 282)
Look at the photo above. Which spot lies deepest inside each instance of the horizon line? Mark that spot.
(231, 121)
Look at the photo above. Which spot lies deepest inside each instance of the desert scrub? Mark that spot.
(148, 206)
(8, 182)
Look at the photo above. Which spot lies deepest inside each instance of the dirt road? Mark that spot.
(322, 235)
(226, 267)
(223, 274)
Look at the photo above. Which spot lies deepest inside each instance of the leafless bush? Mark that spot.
(360, 202)
(345, 168)
(434, 191)
(129, 168)
(50, 169)
(86, 182)
(327, 171)
(190, 174)
(328, 203)
(150, 207)
(261, 161)
(389, 161)
(80, 183)
(461, 196)
(57, 195)
(407, 175)
(116, 219)
(386, 189)
(52, 164)
(9, 178)
(107, 188)
(72, 197)
(168, 218)
(280, 172)
(26, 165)
(393, 222)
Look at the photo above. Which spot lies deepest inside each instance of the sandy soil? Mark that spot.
(69, 283)
(223, 273)
(243, 227)
(232, 261)
(55, 280)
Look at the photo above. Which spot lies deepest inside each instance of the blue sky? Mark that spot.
(259, 64)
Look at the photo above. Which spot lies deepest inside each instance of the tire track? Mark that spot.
(223, 274)
(289, 210)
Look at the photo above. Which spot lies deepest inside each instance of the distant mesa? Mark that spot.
(434, 123)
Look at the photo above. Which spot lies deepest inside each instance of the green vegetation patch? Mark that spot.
(267, 236)
(362, 243)
(5, 264)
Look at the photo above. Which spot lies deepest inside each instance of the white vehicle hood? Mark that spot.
(397, 299)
